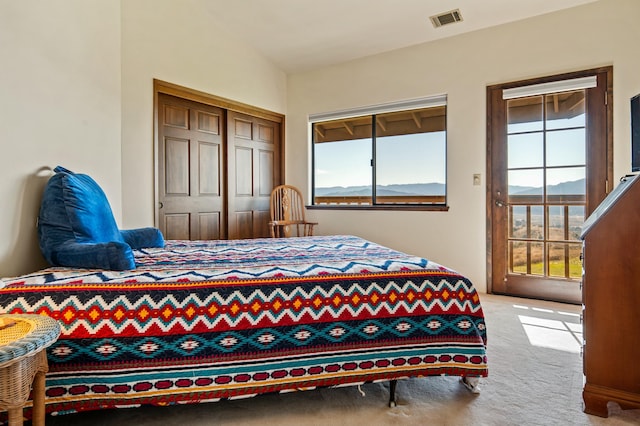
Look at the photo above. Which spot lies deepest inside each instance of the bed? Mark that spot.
(200, 321)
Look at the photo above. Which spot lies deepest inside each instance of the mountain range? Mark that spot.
(433, 188)
(576, 187)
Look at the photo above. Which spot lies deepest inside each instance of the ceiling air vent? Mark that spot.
(449, 17)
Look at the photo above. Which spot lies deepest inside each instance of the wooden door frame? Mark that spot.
(493, 121)
(160, 86)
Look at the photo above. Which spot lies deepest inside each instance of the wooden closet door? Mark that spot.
(191, 175)
(253, 170)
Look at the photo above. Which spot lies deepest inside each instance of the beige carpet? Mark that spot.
(535, 378)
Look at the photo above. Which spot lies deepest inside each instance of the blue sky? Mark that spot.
(421, 158)
(417, 158)
(565, 148)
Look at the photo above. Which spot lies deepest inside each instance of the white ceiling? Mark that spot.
(300, 35)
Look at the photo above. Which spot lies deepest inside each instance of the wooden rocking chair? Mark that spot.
(287, 211)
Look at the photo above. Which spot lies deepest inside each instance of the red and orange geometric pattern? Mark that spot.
(201, 321)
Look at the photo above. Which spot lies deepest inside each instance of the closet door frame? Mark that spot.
(160, 86)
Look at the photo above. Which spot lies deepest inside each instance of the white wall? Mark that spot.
(601, 33)
(76, 90)
(174, 41)
(59, 104)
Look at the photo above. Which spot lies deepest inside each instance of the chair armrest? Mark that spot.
(307, 227)
(290, 222)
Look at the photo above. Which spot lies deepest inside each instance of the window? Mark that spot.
(387, 156)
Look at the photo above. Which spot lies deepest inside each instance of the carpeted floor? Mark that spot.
(535, 378)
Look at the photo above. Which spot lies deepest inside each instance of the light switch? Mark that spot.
(476, 179)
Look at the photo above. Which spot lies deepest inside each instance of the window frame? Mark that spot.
(371, 112)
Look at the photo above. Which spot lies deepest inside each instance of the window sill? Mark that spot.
(438, 208)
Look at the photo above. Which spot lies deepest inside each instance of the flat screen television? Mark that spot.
(635, 133)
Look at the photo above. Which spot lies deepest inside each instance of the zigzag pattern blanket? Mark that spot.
(203, 321)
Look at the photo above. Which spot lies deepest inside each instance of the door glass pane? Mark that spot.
(519, 222)
(556, 223)
(526, 257)
(525, 186)
(537, 223)
(575, 263)
(566, 148)
(557, 259)
(566, 181)
(527, 222)
(565, 110)
(564, 260)
(537, 258)
(518, 257)
(525, 150)
(576, 220)
(525, 114)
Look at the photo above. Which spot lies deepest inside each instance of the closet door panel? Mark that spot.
(253, 146)
(243, 171)
(190, 166)
(209, 183)
(266, 183)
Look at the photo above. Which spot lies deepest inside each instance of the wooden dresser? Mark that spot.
(611, 300)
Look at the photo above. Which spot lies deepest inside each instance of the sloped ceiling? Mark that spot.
(300, 35)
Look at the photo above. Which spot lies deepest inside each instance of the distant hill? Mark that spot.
(432, 188)
(343, 191)
(576, 187)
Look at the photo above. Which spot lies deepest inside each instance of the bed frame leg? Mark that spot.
(392, 393)
(471, 383)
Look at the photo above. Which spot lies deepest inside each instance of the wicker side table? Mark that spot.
(23, 362)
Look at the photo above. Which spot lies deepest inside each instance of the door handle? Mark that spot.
(161, 204)
(499, 203)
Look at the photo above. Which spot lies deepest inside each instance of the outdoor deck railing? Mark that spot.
(380, 199)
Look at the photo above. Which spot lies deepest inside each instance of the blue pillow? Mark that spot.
(76, 226)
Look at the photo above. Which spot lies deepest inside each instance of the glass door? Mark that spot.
(548, 151)
(546, 173)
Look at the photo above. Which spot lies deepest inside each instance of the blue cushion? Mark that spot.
(76, 226)
(142, 237)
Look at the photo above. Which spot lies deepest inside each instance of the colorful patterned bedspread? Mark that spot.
(203, 321)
